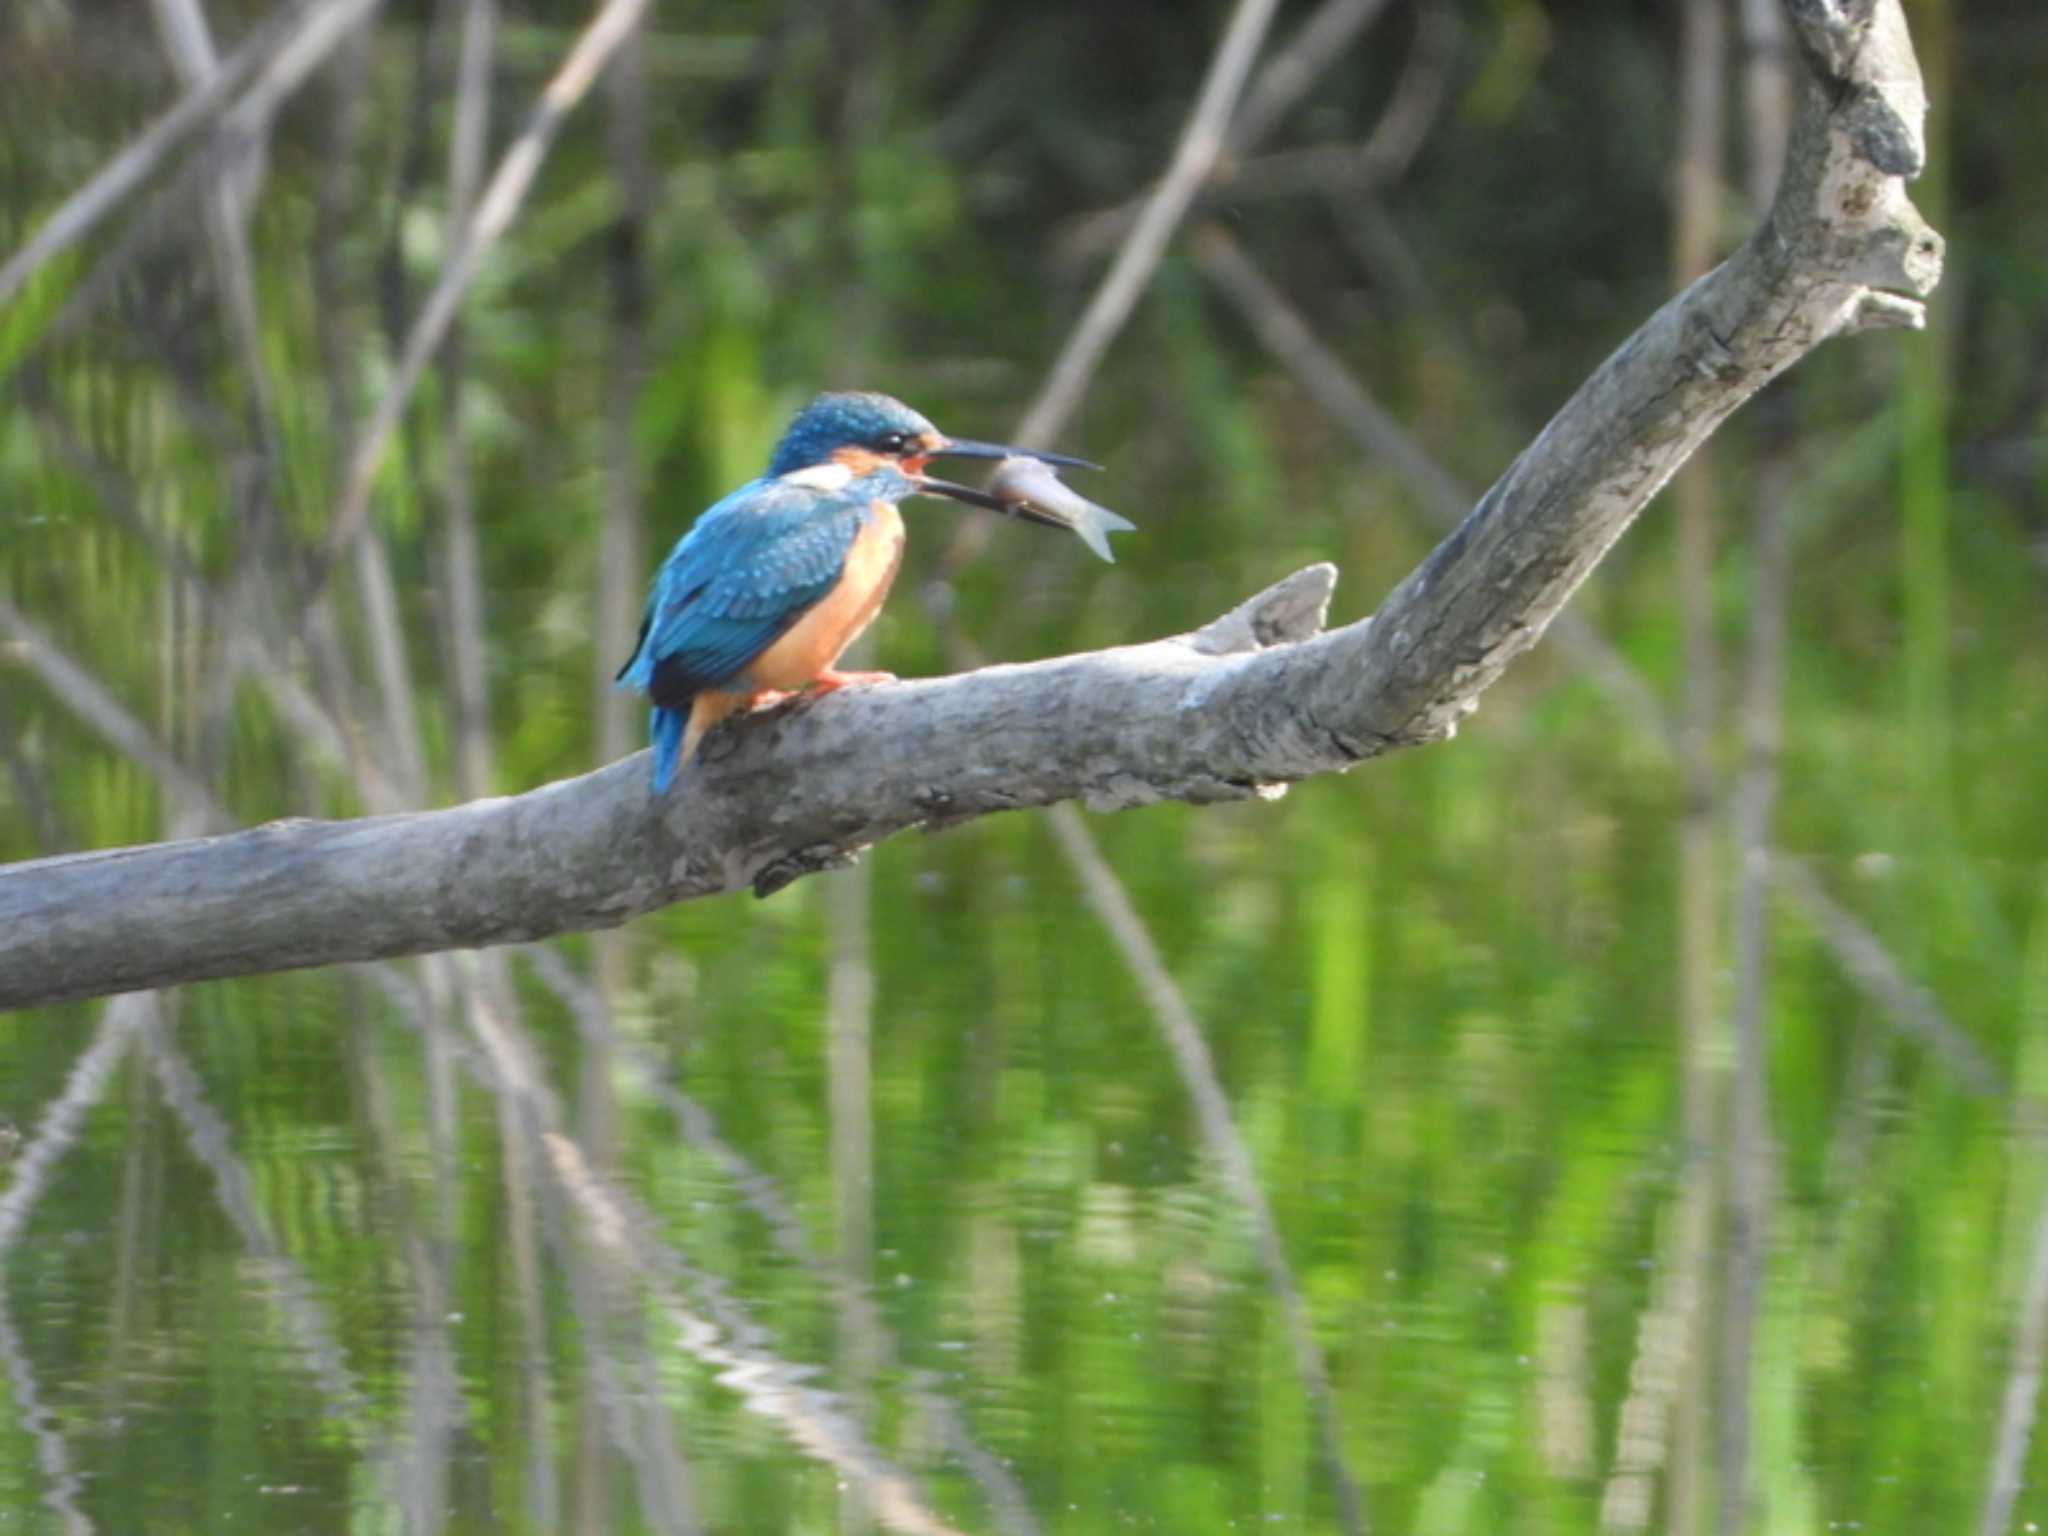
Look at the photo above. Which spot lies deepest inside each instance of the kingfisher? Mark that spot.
(764, 593)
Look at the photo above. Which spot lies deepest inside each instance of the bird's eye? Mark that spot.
(892, 442)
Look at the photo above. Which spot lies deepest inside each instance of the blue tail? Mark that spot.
(665, 728)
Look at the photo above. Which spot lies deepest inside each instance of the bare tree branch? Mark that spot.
(1257, 699)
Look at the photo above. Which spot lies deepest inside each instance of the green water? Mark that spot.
(1459, 1093)
(902, 1200)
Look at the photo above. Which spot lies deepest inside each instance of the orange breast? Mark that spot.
(821, 636)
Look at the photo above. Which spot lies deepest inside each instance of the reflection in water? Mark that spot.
(761, 1195)
(61, 1484)
(55, 1134)
(1197, 1068)
(1090, 1264)
(717, 1331)
(1663, 1360)
(1057, 1253)
(59, 1125)
(278, 1277)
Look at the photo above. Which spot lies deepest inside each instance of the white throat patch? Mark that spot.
(820, 477)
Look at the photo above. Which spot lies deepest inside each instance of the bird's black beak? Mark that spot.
(967, 448)
(931, 485)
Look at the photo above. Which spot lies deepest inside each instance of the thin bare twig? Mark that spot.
(140, 159)
(405, 759)
(1293, 69)
(622, 536)
(1282, 81)
(190, 42)
(1769, 79)
(494, 214)
(326, 25)
(1339, 171)
(469, 690)
(1201, 142)
(1396, 139)
(95, 704)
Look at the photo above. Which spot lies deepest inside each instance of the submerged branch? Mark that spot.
(1258, 699)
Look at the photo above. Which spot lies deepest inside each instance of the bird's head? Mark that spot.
(863, 432)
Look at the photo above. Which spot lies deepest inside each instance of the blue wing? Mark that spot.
(740, 577)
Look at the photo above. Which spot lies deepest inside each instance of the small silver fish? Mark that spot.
(1031, 488)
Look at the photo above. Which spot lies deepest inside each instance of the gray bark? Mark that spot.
(1259, 698)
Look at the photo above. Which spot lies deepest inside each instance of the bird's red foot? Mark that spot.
(767, 698)
(829, 681)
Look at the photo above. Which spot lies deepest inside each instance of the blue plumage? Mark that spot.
(843, 418)
(756, 563)
(747, 571)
